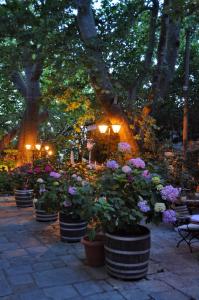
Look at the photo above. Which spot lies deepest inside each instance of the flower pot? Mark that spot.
(43, 216)
(94, 250)
(127, 257)
(24, 198)
(71, 230)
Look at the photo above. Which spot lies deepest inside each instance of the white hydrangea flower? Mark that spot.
(40, 180)
(74, 176)
(160, 207)
(126, 169)
(35, 200)
(79, 178)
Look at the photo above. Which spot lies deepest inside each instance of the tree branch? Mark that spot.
(43, 116)
(19, 83)
(8, 137)
(37, 70)
(149, 52)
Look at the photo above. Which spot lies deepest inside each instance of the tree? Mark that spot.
(30, 37)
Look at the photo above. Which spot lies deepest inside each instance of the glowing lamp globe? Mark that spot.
(103, 128)
(38, 146)
(46, 148)
(50, 152)
(116, 128)
(28, 146)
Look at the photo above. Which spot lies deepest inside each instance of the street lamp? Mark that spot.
(46, 147)
(50, 152)
(115, 127)
(28, 146)
(38, 147)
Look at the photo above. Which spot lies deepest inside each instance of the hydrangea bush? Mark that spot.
(128, 194)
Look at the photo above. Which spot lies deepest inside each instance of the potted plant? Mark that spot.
(47, 196)
(23, 183)
(130, 195)
(73, 208)
(93, 241)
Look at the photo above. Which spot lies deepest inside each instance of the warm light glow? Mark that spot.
(46, 148)
(50, 152)
(103, 128)
(38, 146)
(116, 128)
(28, 147)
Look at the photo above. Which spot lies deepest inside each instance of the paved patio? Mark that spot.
(34, 264)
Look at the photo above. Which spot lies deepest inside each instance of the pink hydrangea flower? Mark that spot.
(146, 174)
(48, 169)
(55, 174)
(137, 162)
(124, 147)
(37, 170)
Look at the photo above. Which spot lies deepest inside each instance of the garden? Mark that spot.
(99, 149)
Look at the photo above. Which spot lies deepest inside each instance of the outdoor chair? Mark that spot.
(187, 226)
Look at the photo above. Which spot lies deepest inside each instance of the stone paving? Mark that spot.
(34, 264)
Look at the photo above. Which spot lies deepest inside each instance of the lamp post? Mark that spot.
(103, 128)
(37, 147)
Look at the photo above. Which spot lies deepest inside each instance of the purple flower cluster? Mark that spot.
(169, 216)
(143, 206)
(146, 174)
(67, 203)
(170, 193)
(112, 164)
(124, 147)
(137, 162)
(72, 190)
(55, 174)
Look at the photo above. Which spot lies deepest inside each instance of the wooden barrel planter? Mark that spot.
(24, 198)
(43, 216)
(71, 230)
(127, 257)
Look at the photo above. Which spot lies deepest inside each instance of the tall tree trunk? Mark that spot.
(99, 74)
(29, 87)
(167, 50)
(186, 97)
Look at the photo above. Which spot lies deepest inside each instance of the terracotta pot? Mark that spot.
(94, 250)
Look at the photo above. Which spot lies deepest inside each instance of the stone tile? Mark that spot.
(32, 295)
(152, 286)
(60, 276)
(37, 250)
(192, 291)
(4, 264)
(88, 288)
(8, 246)
(42, 266)
(14, 253)
(5, 288)
(61, 292)
(20, 279)
(106, 296)
(22, 269)
(134, 294)
(3, 240)
(174, 295)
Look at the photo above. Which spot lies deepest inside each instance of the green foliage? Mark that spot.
(6, 183)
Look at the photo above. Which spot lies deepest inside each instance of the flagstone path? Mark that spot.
(35, 264)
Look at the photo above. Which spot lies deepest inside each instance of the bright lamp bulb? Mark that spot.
(38, 146)
(28, 147)
(102, 128)
(50, 152)
(116, 128)
(46, 148)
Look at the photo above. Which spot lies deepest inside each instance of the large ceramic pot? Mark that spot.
(94, 250)
(24, 198)
(127, 256)
(43, 216)
(71, 230)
